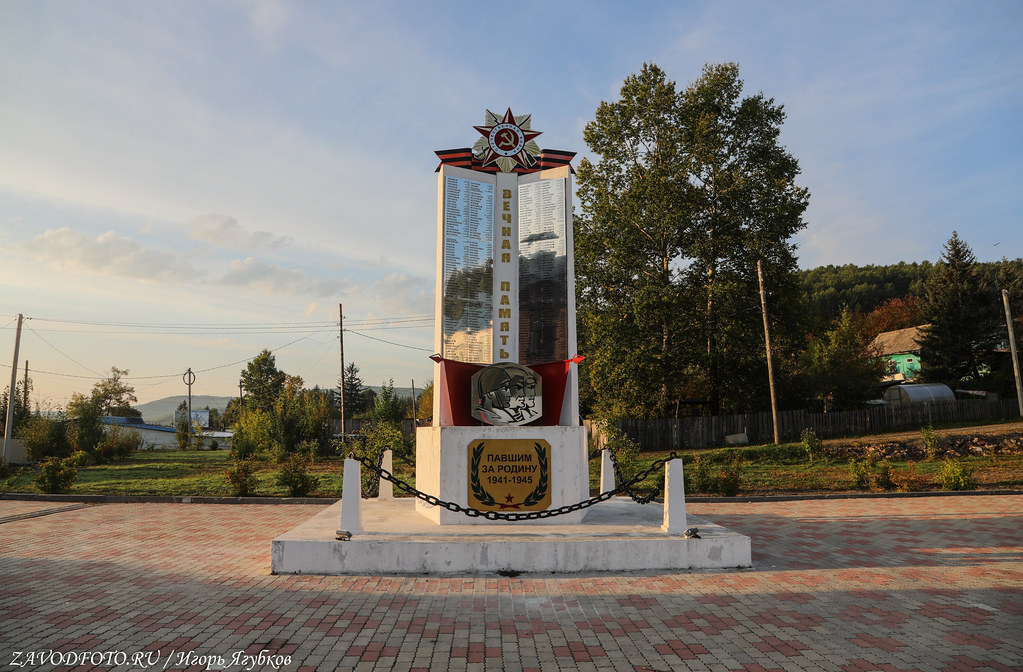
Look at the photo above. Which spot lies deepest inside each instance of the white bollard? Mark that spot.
(674, 498)
(607, 471)
(386, 490)
(351, 496)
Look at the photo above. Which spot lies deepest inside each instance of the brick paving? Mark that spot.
(899, 584)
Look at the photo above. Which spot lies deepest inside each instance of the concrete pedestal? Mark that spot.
(617, 535)
(442, 468)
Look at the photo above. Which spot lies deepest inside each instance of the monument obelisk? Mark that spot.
(506, 433)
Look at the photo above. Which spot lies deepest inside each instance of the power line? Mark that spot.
(400, 345)
(251, 328)
(61, 351)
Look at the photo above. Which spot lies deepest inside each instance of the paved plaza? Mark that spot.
(892, 584)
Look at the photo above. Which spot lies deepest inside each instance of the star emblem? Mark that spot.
(509, 499)
(507, 141)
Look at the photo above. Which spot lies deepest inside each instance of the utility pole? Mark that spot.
(9, 426)
(767, 341)
(341, 339)
(25, 391)
(188, 379)
(1012, 351)
(415, 419)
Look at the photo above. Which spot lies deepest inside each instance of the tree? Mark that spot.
(262, 382)
(22, 408)
(288, 421)
(183, 425)
(352, 386)
(691, 189)
(115, 397)
(85, 428)
(962, 313)
(424, 405)
(841, 367)
(894, 314)
(390, 408)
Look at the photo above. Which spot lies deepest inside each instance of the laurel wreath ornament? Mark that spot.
(541, 487)
(474, 478)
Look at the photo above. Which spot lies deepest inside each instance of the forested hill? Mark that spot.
(864, 288)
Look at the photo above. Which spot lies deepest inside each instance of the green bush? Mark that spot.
(811, 444)
(119, 443)
(57, 475)
(883, 475)
(859, 472)
(46, 437)
(931, 441)
(252, 434)
(9, 476)
(955, 475)
(727, 482)
(697, 475)
(241, 478)
(295, 478)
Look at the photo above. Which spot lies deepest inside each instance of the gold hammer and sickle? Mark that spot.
(505, 139)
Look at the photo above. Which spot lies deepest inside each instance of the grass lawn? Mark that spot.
(189, 473)
(765, 470)
(766, 476)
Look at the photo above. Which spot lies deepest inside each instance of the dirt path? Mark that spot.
(996, 430)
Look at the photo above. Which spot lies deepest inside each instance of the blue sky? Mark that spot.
(246, 166)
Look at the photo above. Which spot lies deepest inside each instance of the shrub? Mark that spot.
(119, 443)
(57, 475)
(295, 478)
(859, 472)
(240, 477)
(955, 475)
(811, 444)
(729, 481)
(931, 441)
(908, 480)
(883, 475)
(46, 437)
(9, 476)
(697, 476)
(251, 434)
(624, 451)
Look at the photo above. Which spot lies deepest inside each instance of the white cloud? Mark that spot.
(109, 254)
(226, 233)
(402, 294)
(272, 279)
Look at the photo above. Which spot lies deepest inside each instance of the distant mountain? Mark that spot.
(161, 411)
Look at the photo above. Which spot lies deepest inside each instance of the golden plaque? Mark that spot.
(509, 475)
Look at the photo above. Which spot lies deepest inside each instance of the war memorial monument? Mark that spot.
(502, 477)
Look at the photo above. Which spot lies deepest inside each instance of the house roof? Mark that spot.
(134, 423)
(899, 341)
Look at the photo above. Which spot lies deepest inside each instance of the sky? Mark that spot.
(185, 183)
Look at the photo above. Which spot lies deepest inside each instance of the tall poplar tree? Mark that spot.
(962, 313)
(690, 190)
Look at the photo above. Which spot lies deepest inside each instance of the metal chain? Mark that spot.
(528, 515)
(627, 487)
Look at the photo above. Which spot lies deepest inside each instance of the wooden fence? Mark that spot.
(709, 431)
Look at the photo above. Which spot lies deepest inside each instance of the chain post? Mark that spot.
(529, 515)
